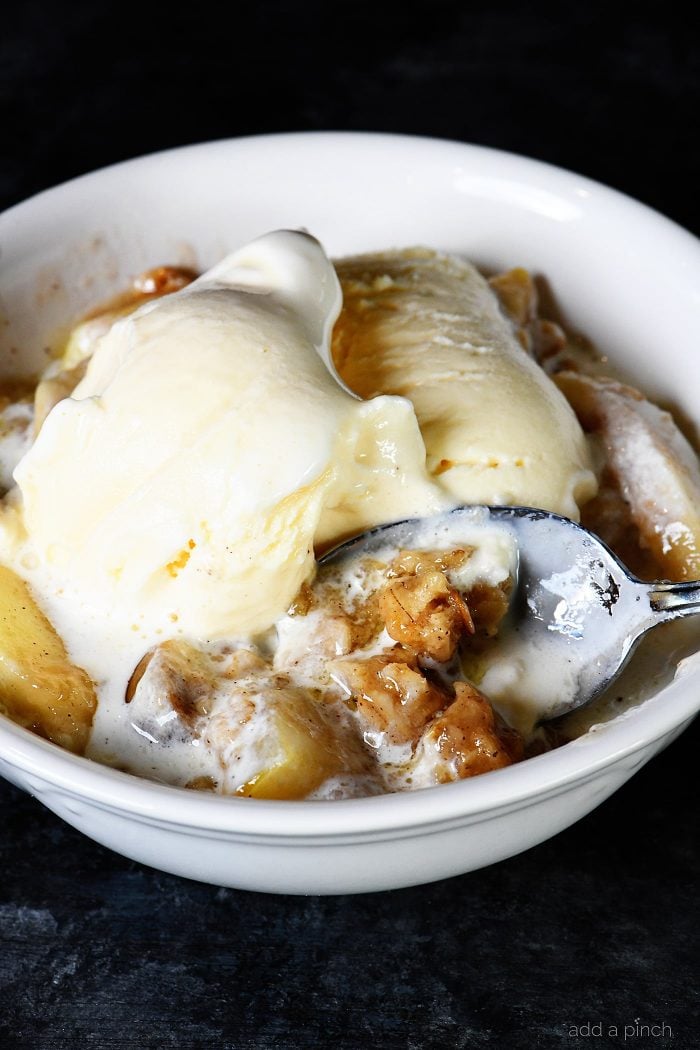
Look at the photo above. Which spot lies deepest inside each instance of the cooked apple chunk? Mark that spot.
(654, 467)
(425, 613)
(468, 738)
(185, 677)
(488, 604)
(39, 687)
(309, 747)
(392, 696)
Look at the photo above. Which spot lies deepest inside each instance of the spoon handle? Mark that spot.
(672, 600)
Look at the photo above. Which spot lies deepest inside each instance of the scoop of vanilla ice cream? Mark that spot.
(209, 447)
(496, 429)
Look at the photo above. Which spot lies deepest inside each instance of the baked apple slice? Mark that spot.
(39, 686)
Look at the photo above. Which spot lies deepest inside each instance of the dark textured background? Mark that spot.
(598, 925)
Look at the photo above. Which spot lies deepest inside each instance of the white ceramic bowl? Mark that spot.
(623, 274)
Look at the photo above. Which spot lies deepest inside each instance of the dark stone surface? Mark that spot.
(596, 926)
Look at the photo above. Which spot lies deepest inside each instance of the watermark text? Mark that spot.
(626, 1032)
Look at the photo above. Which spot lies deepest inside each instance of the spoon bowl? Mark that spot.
(576, 613)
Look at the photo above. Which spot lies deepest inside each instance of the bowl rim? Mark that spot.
(540, 776)
(373, 139)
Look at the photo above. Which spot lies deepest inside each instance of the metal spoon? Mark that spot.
(576, 613)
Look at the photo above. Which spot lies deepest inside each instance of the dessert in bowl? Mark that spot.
(488, 207)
